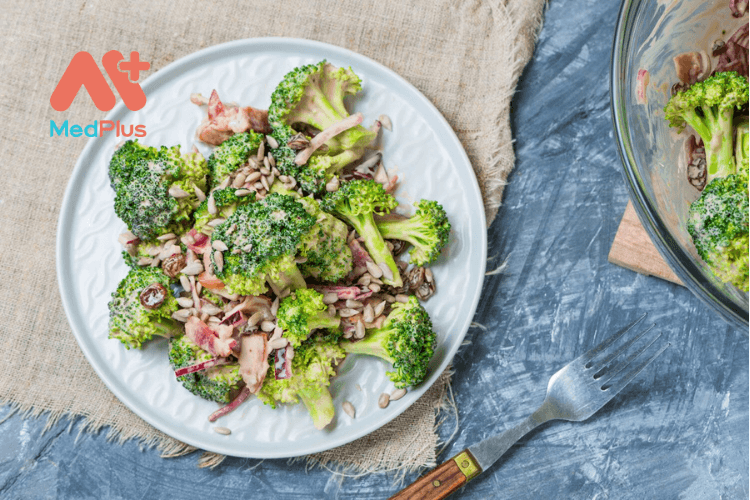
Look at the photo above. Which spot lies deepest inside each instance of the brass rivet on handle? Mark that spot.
(436, 483)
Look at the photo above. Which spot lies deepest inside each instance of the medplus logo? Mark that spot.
(84, 72)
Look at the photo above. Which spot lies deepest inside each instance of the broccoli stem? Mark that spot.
(372, 345)
(365, 226)
(319, 404)
(323, 320)
(291, 279)
(403, 230)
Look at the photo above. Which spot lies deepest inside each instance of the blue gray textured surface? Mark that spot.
(679, 431)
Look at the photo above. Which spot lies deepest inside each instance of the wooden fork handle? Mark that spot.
(442, 480)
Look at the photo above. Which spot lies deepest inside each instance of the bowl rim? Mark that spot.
(678, 260)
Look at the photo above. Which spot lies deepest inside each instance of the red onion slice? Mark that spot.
(241, 397)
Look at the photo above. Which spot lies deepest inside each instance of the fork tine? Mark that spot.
(612, 371)
(611, 340)
(604, 364)
(627, 378)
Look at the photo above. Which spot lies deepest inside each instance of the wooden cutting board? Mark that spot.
(633, 249)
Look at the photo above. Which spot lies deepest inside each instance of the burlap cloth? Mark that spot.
(465, 56)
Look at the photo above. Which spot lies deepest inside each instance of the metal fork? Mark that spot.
(577, 391)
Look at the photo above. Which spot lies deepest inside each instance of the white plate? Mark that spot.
(431, 164)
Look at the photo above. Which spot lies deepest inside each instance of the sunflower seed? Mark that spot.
(223, 184)
(272, 162)
(155, 262)
(275, 306)
(216, 221)
(198, 287)
(198, 193)
(242, 192)
(271, 178)
(204, 317)
(402, 298)
(330, 298)
(267, 326)
(353, 304)
(188, 239)
(144, 261)
(279, 343)
(177, 192)
(185, 283)
(385, 120)
(181, 315)
(261, 152)
(166, 237)
(333, 184)
(210, 309)
(347, 313)
(397, 394)
(348, 408)
(247, 247)
(374, 287)
(389, 298)
(387, 273)
(368, 315)
(359, 330)
(374, 269)
(384, 399)
(277, 333)
(212, 205)
(185, 302)
(348, 334)
(253, 177)
(284, 179)
(428, 275)
(219, 245)
(255, 318)
(222, 430)
(331, 310)
(264, 182)
(259, 185)
(378, 309)
(193, 269)
(239, 180)
(266, 168)
(272, 142)
(219, 260)
(364, 280)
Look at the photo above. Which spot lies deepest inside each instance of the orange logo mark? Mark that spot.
(83, 71)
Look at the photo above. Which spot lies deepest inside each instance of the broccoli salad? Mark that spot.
(270, 262)
(710, 107)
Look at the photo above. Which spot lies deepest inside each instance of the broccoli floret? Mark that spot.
(262, 240)
(718, 223)
(142, 189)
(301, 313)
(226, 202)
(357, 201)
(219, 383)
(212, 298)
(133, 324)
(232, 154)
(427, 231)
(708, 107)
(406, 340)
(125, 158)
(327, 253)
(313, 95)
(313, 366)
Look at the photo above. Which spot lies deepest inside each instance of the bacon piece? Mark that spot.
(344, 292)
(692, 67)
(258, 119)
(223, 121)
(211, 282)
(207, 339)
(201, 242)
(241, 397)
(733, 55)
(359, 254)
(235, 319)
(282, 367)
(254, 360)
(203, 365)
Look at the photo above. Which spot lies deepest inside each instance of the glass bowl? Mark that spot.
(649, 34)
